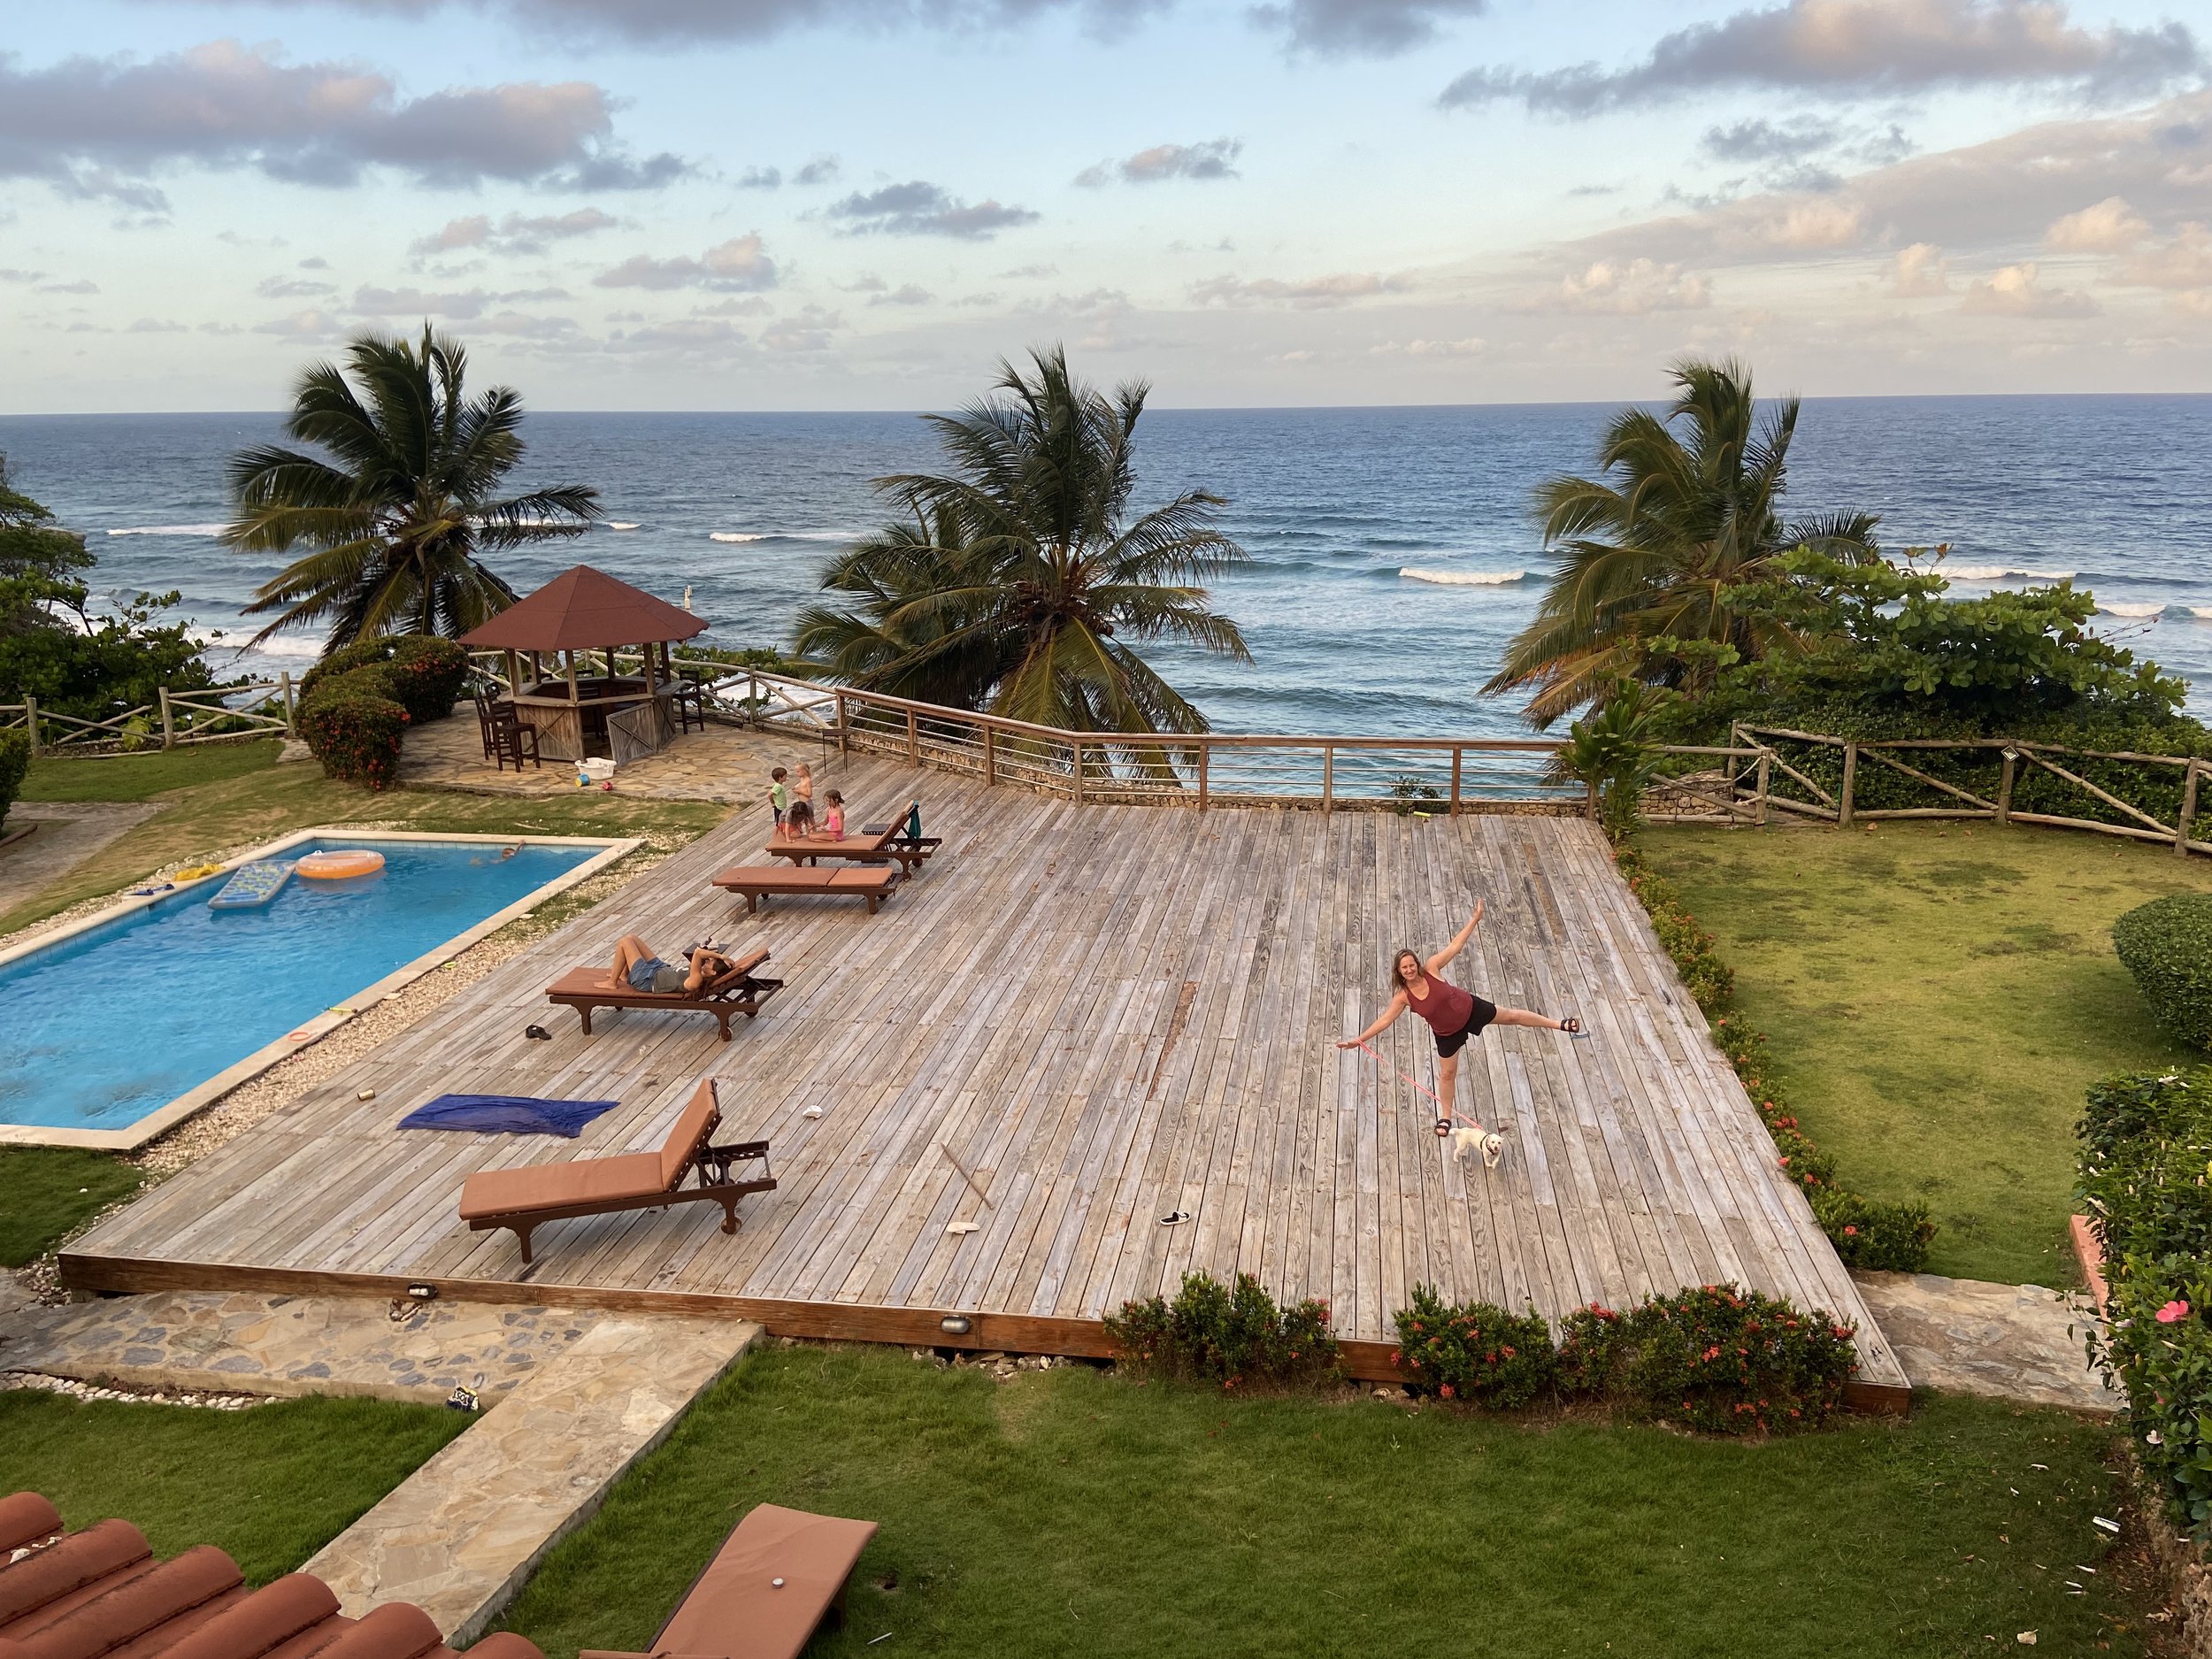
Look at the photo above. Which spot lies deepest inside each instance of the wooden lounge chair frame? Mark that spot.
(737, 991)
(875, 844)
(755, 882)
(714, 1166)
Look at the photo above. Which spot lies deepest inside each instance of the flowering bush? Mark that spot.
(1475, 1351)
(425, 672)
(1236, 1336)
(2146, 1180)
(354, 728)
(1731, 1361)
(1867, 1233)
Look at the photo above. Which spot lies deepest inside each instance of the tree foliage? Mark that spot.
(1018, 581)
(404, 497)
(1687, 509)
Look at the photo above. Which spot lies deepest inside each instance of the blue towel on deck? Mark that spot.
(507, 1114)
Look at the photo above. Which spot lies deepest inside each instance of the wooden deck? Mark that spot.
(1102, 1015)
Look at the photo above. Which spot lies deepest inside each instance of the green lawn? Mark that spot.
(47, 1192)
(272, 1485)
(142, 777)
(1070, 1512)
(1936, 1000)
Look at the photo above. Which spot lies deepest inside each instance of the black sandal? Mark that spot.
(1572, 1027)
(1443, 1128)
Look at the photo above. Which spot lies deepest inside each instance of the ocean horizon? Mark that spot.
(1394, 552)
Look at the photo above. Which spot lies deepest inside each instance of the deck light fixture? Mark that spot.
(953, 1324)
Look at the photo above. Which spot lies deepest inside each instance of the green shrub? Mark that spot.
(426, 671)
(1731, 1362)
(15, 759)
(1867, 1233)
(354, 728)
(1235, 1337)
(2146, 1181)
(2167, 944)
(1475, 1351)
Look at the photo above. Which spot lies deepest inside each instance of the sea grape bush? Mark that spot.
(1716, 1359)
(1234, 1336)
(2146, 1181)
(356, 703)
(1870, 1233)
(2167, 946)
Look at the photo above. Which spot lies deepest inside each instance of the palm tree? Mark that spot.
(395, 517)
(1651, 551)
(1016, 582)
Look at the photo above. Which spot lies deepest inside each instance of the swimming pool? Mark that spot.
(111, 1034)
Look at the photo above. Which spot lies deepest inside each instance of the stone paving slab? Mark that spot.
(460, 1536)
(2019, 1342)
(289, 1345)
(726, 764)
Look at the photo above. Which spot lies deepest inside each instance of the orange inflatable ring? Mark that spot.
(336, 866)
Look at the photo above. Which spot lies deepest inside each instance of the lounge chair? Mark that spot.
(768, 1589)
(72, 1595)
(875, 844)
(737, 990)
(755, 882)
(522, 1200)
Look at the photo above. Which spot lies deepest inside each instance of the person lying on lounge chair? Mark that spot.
(637, 969)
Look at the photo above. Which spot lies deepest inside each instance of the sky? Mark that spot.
(787, 205)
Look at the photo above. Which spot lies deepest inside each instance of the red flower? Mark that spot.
(1850, 1232)
(2173, 1313)
(1444, 1391)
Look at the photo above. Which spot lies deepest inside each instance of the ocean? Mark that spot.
(1393, 549)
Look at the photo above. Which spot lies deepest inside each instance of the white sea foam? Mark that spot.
(732, 536)
(2203, 613)
(240, 640)
(1999, 573)
(1465, 579)
(171, 529)
(2113, 610)
(621, 524)
(784, 535)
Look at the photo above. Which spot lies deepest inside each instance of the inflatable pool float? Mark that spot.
(341, 863)
(254, 885)
(196, 872)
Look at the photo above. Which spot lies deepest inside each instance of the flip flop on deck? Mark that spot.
(737, 990)
(523, 1200)
(755, 882)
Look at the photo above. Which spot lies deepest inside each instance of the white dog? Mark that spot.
(1471, 1137)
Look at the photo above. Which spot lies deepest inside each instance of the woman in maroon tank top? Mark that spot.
(1455, 1016)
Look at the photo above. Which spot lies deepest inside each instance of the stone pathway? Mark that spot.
(68, 832)
(209, 1342)
(461, 1535)
(2012, 1341)
(724, 763)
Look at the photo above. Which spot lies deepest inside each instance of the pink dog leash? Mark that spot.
(1443, 1113)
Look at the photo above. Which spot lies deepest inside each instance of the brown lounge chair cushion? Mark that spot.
(592, 982)
(785, 878)
(630, 1176)
(737, 1611)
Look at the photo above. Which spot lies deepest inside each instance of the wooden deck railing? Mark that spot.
(172, 720)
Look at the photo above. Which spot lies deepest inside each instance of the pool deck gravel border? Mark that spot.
(163, 1119)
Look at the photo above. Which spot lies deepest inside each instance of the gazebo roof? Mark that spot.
(581, 609)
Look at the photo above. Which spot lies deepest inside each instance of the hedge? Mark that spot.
(2167, 944)
(1213, 1332)
(15, 759)
(1867, 1233)
(2146, 1181)
(356, 703)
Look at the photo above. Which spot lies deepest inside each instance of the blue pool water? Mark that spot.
(102, 1028)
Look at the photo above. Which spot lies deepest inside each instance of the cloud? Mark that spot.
(309, 325)
(740, 263)
(522, 325)
(751, 305)
(1471, 347)
(516, 234)
(665, 22)
(1919, 271)
(1030, 273)
(2015, 292)
(1211, 159)
(684, 336)
(1631, 288)
(1320, 293)
(315, 262)
(760, 179)
(1374, 28)
(907, 294)
(1770, 141)
(918, 208)
(375, 302)
(156, 326)
(808, 331)
(10, 274)
(2184, 262)
(821, 170)
(1860, 48)
(292, 289)
(2108, 227)
(81, 285)
(102, 127)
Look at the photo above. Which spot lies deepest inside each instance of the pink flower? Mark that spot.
(2173, 1313)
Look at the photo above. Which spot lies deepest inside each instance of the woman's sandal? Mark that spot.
(1443, 1128)
(1572, 1027)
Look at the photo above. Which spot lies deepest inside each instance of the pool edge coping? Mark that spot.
(199, 1098)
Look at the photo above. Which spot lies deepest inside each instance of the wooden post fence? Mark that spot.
(30, 719)
(1328, 777)
(990, 753)
(1458, 755)
(2188, 808)
(913, 738)
(1766, 766)
(1850, 777)
(2004, 786)
(1205, 754)
(1078, 747)
(168, 724)
(291, 709)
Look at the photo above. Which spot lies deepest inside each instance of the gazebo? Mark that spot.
(587, 610)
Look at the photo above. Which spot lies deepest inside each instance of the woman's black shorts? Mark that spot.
(1485, 1013)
